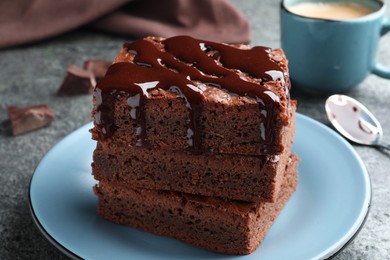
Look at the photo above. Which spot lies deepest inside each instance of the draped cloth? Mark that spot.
(26, 21)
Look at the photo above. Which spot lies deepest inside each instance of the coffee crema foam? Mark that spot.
(334, 11)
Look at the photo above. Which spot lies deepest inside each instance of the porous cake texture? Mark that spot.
(249, 178)
(224, 226)
(182, 93)
(171, 113)
(194, 141)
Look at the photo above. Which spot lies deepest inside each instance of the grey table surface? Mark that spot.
(31, 75)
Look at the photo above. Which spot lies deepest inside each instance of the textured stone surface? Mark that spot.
(32, 74)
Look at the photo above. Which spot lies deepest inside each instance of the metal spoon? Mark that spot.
(354, 121)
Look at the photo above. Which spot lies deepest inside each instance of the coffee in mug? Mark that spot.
(330, 10)
(330, 51)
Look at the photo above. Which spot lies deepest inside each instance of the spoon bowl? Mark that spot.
(354, 121)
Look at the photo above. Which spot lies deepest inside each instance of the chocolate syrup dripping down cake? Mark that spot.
(196, 118)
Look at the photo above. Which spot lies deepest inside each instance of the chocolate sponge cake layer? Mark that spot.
(182, 93)
(194, 141)
(249, 178)
(229, 227)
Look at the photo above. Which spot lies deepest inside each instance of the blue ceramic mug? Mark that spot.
(333, 56)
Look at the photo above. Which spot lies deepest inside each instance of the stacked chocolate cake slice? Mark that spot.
(194, 141)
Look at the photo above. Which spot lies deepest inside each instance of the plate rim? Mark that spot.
(326, 255)
(49, 237)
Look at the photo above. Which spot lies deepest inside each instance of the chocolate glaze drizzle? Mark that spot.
(182, 67)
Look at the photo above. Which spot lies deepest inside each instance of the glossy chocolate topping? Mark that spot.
(184, 65)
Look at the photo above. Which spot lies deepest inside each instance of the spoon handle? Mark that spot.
(384, 146)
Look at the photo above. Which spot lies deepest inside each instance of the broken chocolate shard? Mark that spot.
(26, 119)
(78, 81)
(97, 67)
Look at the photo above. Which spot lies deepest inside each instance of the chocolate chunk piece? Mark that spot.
(78, 81)
(97, 67)
(26, 119)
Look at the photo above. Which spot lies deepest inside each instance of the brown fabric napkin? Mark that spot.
(26, 21)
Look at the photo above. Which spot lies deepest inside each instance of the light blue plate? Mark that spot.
(323, 215)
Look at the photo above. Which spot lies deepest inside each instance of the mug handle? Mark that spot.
(379, 69)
